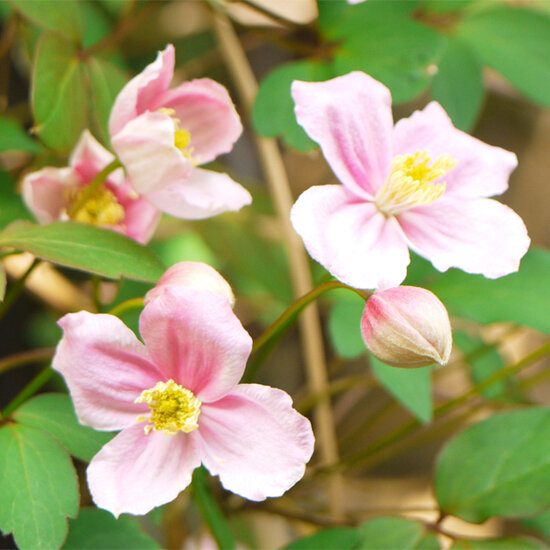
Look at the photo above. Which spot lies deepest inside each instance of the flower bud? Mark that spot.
(407, 326)
(195, 275)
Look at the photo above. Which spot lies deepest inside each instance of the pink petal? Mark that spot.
(197, 275)
(194, 337)
(134, 472)
(350, 117)
(105, 367)
(255, 441)
(202, 194)
(351, 238)
(477, 235)
(206, 111)
(146, 148)
(482, 170)
(136, 97)
(89, 157)
(45, 192)
(140, 220)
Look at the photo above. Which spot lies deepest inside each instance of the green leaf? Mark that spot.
(38, 488)
(391, 533)
(411, 387)
(444, 6)
(483, 363)
(539, 523)
(185, 246)
(497, 467)
(59, 96)
(273, 112)
(398, 52)
(106, 80)
(64, 18)
(211, 511)
(512, 543)
(330, 539)
(14, 138)
(12, 206)
(85, 247)
(258, 266)
(54, 413)
(516, 43)
(29, 35)
(339, 20)
(195, 45)
(521, 297)
(115, 7)
(97, 24)
(458, 84)
(98, 530)
(344, 326)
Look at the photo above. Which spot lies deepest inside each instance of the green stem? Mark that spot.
(128, 305)
(29, 390)
(92, 187)
(429, 435)
(16, 289)
(497, 377)
(265, 343)
(95, 281)
(340, 385)
(397, 434)
(25, 358)
(211, 511)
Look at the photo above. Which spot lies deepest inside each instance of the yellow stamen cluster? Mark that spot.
(173, 408)
(101, 208)
(411, 182)
(182, 137)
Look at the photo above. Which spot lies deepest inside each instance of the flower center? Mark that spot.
(411, 182)
(173, 408)
(182, 137)
(101, 208)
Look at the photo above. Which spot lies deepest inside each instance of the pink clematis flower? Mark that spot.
(422, 184)
(52, 194)
(162, 135)
(178, 403)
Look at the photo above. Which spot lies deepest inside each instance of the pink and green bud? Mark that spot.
(407, 327)
(195, 275)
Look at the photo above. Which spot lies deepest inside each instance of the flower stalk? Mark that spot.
(28, 391)
(17, 288)
(265, 343)
(93, 186)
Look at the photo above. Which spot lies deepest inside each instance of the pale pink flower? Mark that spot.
(162, 135)
(422, 184)
(194, 275)
(51, 193)
(177, 400)
(407, 326)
